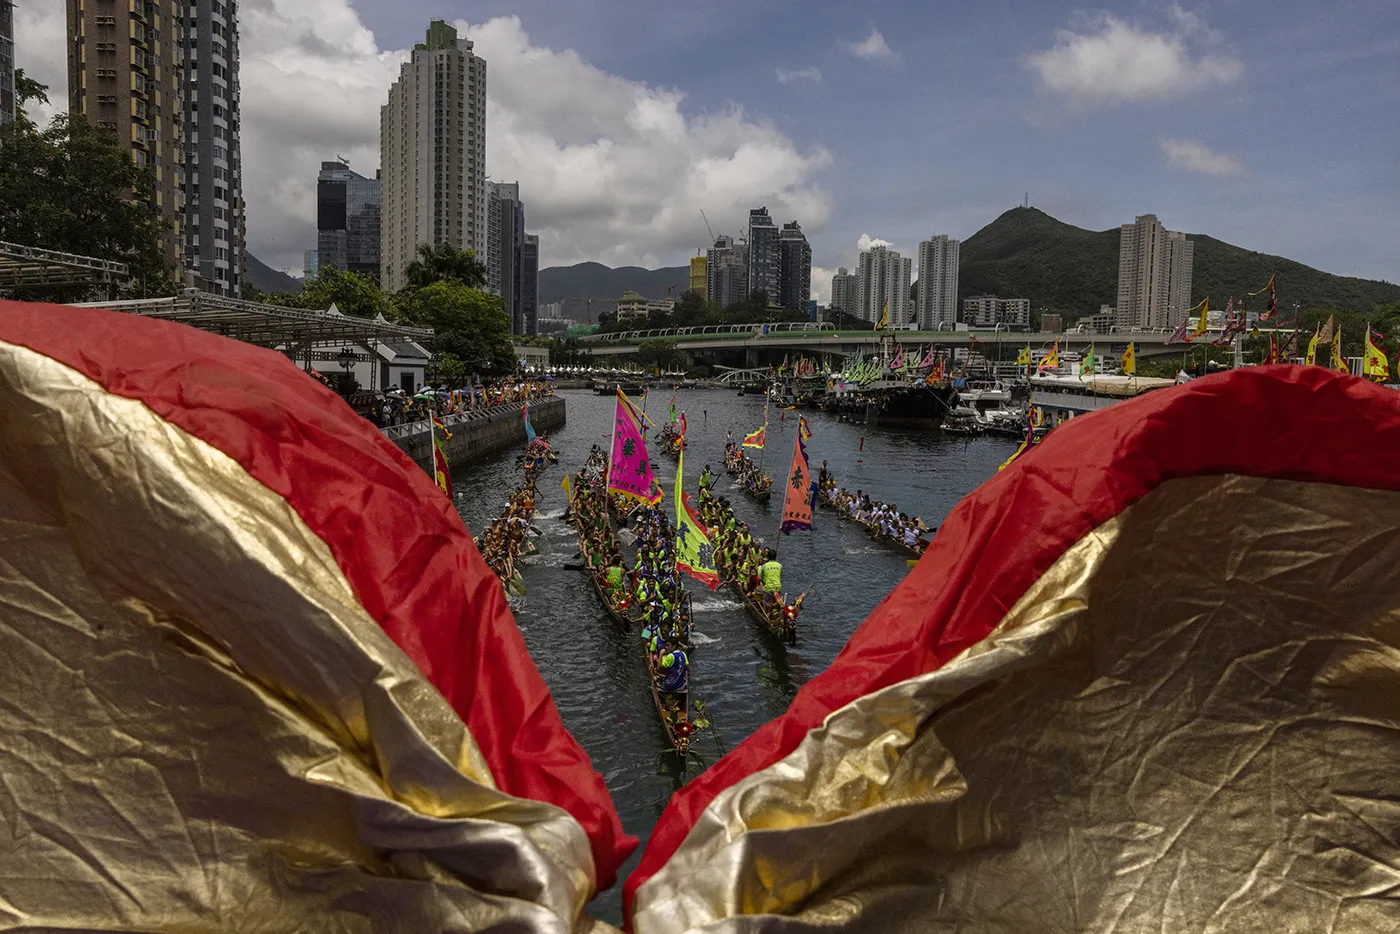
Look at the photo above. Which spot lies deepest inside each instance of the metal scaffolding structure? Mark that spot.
(271, 326)
(307, 337)
(22, 265)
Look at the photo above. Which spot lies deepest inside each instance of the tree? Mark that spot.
(352, 293)
(469, 324)
(69, 188)
(444, 262)
(848, 322)
(661, 353)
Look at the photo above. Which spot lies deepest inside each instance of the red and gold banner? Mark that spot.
(259, 674)
(1102, 720)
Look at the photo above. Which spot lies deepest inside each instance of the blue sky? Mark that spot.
(1275, 126)
(951, 131)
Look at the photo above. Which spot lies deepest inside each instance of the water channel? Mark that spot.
(743, 676)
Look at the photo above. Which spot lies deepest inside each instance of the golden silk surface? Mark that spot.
(201, 729)
(1190, 724)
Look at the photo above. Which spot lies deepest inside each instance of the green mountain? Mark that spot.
(266, 279)
(1026, 253)
(596, 281)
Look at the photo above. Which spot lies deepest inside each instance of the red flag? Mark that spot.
(797, 503)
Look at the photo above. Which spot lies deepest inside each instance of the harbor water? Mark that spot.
(741, 675)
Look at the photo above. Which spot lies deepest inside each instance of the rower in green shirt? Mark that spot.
(707, 478)
(770, 575)
(614, 577)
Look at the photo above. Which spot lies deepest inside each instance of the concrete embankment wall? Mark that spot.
(479, 434)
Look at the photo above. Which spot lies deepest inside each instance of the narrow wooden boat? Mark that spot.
(673, 707)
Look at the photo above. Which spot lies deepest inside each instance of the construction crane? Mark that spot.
(707, 225)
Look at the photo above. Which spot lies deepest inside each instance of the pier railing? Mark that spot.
(489, 414)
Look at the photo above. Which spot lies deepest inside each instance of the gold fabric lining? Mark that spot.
(1188, 724)
(202, 728)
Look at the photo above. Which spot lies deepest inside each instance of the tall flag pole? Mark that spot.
(694, 553)
(440, 472)
(797, 503)
(629, 469)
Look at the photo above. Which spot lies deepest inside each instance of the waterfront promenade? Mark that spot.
(477, 434)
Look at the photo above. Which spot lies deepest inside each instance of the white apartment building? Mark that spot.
(884, 278)
(990, 311)
(845, 291)
(1154, 275)
(938, 283)
(432, 146)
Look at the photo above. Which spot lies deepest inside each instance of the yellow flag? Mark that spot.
(1203, 321)
(884, 318)
(1024, 358)
(1312, 346)
(1377, 367)
(1130, 360)
(1338, 363)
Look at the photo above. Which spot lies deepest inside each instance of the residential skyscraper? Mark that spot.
(505, 244)
(884, 279)
(794, 269)
(1154, 275)
(530, 283)
(126, 75)
(214, 223)
(845, 291)
(727, 271)
(347, 220)
(7, 63)
(938, 283)
(765, 256)
(432, 147)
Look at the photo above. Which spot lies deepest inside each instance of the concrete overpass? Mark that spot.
(823, 338)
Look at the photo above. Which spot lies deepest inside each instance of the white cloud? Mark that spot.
(793, 75)
(610, 169)
(1195, 156)
(866, 242)
(872, 46)
(41, 36)
(1112, 61)
(821, 284)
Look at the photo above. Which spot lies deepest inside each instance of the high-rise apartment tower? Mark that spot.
(938, 283)
(1154, 275)
(432, 142)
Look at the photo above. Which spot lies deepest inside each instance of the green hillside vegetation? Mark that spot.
(1026, 253)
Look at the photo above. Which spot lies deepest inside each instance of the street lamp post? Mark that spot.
(347, 360)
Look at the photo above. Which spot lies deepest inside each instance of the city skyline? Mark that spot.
(1215, 131)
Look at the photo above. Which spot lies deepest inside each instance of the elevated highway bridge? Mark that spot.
(759, 342)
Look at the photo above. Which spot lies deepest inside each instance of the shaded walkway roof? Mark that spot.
(269, 326)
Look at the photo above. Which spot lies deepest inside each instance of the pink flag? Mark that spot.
(630, 471)
(928, 358)
(898, 360)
